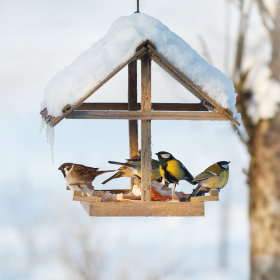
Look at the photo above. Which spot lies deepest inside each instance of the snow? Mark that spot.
(265, 93)
(117, 46)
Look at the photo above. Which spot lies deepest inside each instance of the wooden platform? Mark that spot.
(95, 205)
(138, 208)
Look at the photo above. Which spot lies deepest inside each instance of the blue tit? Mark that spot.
(213, 177)
(172, 170)
(135, 167)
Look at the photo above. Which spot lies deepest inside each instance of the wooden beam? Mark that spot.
(136, 115)
(213, 196)
(146, 128)
(55, 120)
(144, 209)
(155, 106)
(132, 106)
(187, 83)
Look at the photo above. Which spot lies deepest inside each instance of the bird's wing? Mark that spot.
(188, 175)
(81, 169)
(132, 165)
(204, 175)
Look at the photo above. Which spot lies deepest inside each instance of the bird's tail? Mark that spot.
(134, 159)
(123, 163)
(189, 178)
(195, 191)
(97, 173)
(115, 176)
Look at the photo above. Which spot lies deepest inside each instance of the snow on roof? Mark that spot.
(117, 46)
(265, 98)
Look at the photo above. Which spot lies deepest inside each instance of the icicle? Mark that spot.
(50, 139)
(42, 125)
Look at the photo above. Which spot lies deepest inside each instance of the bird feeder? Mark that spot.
(146, 111)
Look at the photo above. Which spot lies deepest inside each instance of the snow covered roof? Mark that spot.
(91, 69)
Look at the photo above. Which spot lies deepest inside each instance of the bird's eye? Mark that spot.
(68, 168)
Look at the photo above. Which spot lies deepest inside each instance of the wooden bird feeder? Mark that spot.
(145, 111)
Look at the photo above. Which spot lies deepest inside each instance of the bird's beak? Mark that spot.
(228, 162)
(156, 153)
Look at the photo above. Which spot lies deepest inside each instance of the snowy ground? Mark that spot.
(41, 230)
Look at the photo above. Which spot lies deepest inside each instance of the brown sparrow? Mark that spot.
(78, 174)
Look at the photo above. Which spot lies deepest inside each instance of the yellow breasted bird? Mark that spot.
(135, 166)
(172, 170)
(213, 177)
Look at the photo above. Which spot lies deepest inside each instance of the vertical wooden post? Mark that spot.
(146, 128)
(132, 106)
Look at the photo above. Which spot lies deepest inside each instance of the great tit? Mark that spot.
(172, 170)
(135, 167)
(213, 177)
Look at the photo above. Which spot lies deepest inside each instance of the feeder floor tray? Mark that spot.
(121, 203)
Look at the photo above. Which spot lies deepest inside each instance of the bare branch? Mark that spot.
(243, 27)
(266, 17)
(241, 137)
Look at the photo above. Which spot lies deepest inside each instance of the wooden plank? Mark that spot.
(146, 101)
(144, 209)
(137, 54)
(187, 83)
(132, 106)
(136, 115)
(213, 196)
(87, 198)
(155, 106)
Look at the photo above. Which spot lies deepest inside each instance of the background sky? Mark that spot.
(45, 235)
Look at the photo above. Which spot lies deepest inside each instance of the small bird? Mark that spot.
(78, 174)
(124, 171)
(213, 177)
(135, 166)
(172, 170)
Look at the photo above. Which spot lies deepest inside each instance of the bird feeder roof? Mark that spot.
(128, 38)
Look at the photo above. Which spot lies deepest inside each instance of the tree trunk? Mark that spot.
(264, 181)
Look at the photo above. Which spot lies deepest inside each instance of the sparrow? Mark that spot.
(135, 166)
(172, 171)
(214, 177)
(78, 174)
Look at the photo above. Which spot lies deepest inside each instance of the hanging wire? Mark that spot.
(137, 11)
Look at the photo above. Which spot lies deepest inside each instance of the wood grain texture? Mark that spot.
(144, 208)
(146, 128)
(155, 106)
(136, 115)
(132, 106)
(213, 196)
